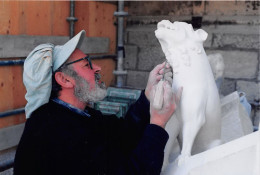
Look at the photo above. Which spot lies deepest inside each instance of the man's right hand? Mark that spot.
(156, 75)
(170, 100)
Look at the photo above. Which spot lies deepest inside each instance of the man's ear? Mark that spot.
(64, 80)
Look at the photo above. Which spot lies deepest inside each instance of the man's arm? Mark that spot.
(142, 129)
(147, 157)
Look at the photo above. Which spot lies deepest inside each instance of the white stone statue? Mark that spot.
(217, 65)
(197, 123)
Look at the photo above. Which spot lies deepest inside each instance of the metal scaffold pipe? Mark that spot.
(120, 14)
(72, 18)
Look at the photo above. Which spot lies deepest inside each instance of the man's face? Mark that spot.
(88, 85)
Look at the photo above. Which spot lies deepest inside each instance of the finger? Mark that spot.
(168, 65)
(164, 70)
(168, 77)
(167, 70)
(168, 74)
(168, 94)
(152, 95)
(179, 93)
(157, 68)
(169, 80)
(159, 77)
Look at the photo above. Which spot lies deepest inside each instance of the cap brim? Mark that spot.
(62, 53)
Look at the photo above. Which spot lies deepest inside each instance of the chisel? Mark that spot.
(158, 97)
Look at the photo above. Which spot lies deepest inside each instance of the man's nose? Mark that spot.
(96, 68)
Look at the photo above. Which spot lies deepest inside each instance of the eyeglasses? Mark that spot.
(85, 58)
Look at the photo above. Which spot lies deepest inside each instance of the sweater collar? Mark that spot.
(72, 108)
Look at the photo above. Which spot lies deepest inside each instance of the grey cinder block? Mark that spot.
(131, 52)
(236, 41)
(227, 87)
(252, 89)
(137, 79)
(149, 57)
(142, 38)
(239, 64)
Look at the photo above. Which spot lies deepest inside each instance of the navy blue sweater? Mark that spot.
(58, 141)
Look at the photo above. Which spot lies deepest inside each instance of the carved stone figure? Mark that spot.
(216, 62)
(197, 123)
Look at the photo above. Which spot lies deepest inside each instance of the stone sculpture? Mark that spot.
(197, 123)
(217, 65)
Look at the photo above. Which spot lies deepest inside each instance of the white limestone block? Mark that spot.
(238, 157)
(235, 120)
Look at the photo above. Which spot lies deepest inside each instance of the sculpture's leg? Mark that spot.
(190, 130)
(173, 129)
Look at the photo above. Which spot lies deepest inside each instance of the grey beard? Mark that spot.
(83, 93)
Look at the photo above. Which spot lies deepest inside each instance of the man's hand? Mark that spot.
(156, 75)
(170, 101)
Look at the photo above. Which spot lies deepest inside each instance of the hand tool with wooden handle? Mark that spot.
(158, 97)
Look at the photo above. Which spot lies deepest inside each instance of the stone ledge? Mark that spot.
(10, 136)
(7, 159)
(22, 45)
(144, 20)
(212, 28)
(206, 20)
(232, 29)
(239, 19)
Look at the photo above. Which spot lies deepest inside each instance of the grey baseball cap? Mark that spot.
(39, 67)
(62, 52)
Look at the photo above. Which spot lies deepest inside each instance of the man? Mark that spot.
(63, 135)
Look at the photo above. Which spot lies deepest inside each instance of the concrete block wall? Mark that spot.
(143, 53)
(233, 28)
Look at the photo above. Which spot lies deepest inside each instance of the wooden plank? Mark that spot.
(34, 17)
(82, 14)
(11, 88)
(17, 88)
(97, 18)
(102, 15)
(12, 93)
(21, 46)
(60, 11)
(4, 17)
(40, 13)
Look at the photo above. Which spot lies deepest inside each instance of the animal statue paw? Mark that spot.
(182, 159)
